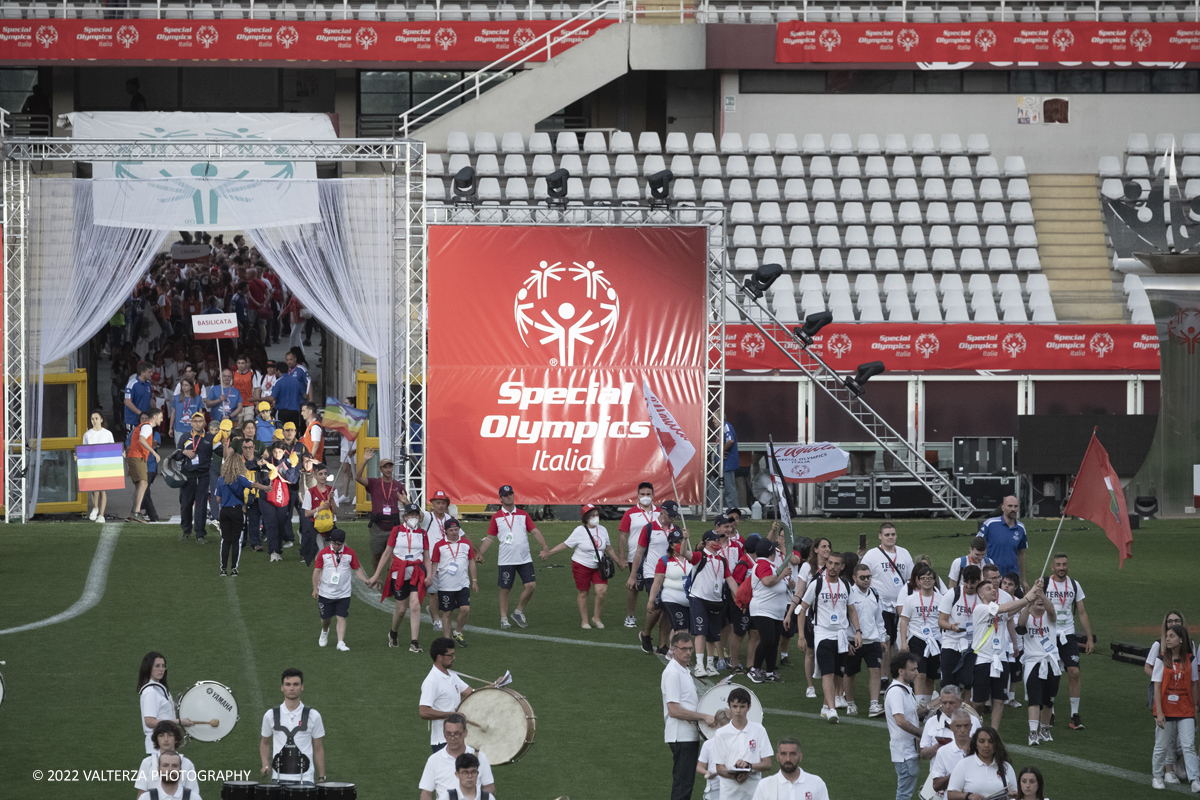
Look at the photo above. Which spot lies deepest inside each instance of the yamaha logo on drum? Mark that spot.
(228, 706)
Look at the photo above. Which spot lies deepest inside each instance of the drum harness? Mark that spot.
(187, 793)
(289, 760)
(452, 794)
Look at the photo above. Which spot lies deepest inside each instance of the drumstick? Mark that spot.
(216, 723)
(472, 677)
(482, 728)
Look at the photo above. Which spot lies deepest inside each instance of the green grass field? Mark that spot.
(70, 701)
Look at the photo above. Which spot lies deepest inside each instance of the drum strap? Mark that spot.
(187, 794)
(291, 732)
(453, 795)
(158, 686)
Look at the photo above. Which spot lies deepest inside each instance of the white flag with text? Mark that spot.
(675, 445)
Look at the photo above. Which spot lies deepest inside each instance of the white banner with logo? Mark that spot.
(675, 445)
(179, 195)
(811, 463)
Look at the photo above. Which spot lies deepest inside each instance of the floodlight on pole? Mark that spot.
(812, 325)
(757, 284)
(857, 382)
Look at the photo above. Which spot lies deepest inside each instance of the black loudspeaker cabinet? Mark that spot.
(903, 494)
(846, 495)
(989, 455)
(986, 491)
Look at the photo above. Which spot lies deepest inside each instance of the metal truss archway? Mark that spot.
(403, 160)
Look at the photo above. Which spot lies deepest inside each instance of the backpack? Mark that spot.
(279, 496)
(690, 578)
(323, 520)
(745, 593)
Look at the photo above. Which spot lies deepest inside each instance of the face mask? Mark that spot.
(411, 522)
(645, 501)
(593, 523)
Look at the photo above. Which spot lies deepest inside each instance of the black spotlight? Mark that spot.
(1195, 205)
(858, 381)
(556, 188)
(660, 188)
(812, 325)
(464, 187)
(1145, 505)
(758, 283)
(1133, 190)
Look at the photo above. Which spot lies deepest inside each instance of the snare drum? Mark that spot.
(336, 790)
(238, 790)
(717, 698)
(208, 700)
(501, 723)
(300, 791)
(268, 791)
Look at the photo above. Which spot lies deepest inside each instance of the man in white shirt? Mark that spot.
(635, 519)
(988, 617)
(652, 544)
(466, 781)
(293, 723)
(948, 755)
(441, 691)
(512, 527)
(743, 751)
(976, 557)
(680, 715)
(868, 605)
(938, 726)
(171, 784)
(890, 567)
(791, 782)
(439, 774)
(955, 614)
(900, 709)
(836, 617)
(710, 577)
(1065, 597)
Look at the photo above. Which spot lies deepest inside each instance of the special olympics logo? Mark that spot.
(523, 36)
(46, 35)
(927, 344)
(127, 35)
(1101, 344)
(287, 36)
(207, 35)
(445, 38)
(571, 313)
(1140, 38)
(985, 38)
(1184, 328)
(908, 39)
(753, 343)
(1013, 343)
(366, 37)
(839, 344)
(1063, 38)
(829, 39)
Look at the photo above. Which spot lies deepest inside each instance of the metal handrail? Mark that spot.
(533, 47)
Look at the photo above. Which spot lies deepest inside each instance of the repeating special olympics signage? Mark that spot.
(540, 340)
(904, 347)
(866, 42)
(267, 40)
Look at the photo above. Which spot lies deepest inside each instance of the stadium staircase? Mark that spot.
(1074, 255)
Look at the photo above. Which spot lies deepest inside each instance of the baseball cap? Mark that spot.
(439, 495)
(412, 508)
(674, 537)
(337, 535)
(452, 523)
(671, 508)
(199, 414)
(278, 435)
(289, 426)
(505, 489)
(272, 364)
(385, 462)
(752, 543)
(734, 510)
(583, 511)
(264, 406)
(712, 536)
(764, 548)
(226, 424)
(722, 520)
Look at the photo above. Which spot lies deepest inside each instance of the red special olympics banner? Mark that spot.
(539, 340)
(887, 42)
(267, 40)
(905, 347)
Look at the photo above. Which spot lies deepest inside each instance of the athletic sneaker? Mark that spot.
(1157, 783)
(773, 677)
(662, 651)
(811, 692)
(876, 710)
(1044, 734)
(1171, 777)
(95, 512)
(1195, 787)
(645, 641)
(504, 624)
(630, 622)
(852, 708)
(833, 717)
(700, 671)
(755, 675)
(437, 624)
(713, 672)
(199, 539)
(342, 646)
(393, 639)
(458, 637)
(224, 574)
(276, 557)
(824, 712)
(1076, 724)
(101, 520)
(783, 659)
(414, 648)
(720, 664)
(233, 572)
(1034, 739)
(288, 544)
(839, 702)
(1014, 703)
(324, 638)
(519, 618)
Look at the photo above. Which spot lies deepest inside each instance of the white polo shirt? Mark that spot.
(438, 775)
(677, 687)
(899, 699)
(750, 744)
(944, 762)
(974, 777)
(303, 739)
(512, 533)
(155, 701)
(777, 787)
(336, 569)
(708, 757)
(451, 562)
(938, 726)
(889, 573)
(442, 692)
(869, 609)
(632, 523)
(147, 776)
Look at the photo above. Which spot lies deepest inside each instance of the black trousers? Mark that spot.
(193, 503)
(684, 756)
(769, 631)
(231, 522)
(148, 499)
(286, 415)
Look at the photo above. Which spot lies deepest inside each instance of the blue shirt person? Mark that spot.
(224, 401)
(138, 394)
(1006, 539)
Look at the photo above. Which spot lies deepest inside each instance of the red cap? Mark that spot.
(439, 495)
(583, 512)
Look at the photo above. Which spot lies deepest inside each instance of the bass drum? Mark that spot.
(501, 723)
(717, 698)
(205, 703)
(336, 790)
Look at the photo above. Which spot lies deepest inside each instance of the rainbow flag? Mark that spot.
(101, 467)
(346, 420)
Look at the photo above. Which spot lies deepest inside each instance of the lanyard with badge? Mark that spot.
(925, 611)
(1043, 634)
(335, 579)
(508, 520)
(387, 497)
(1064, 616)
(452, 567)
(969, 627)
(834, 598)
(196, 439)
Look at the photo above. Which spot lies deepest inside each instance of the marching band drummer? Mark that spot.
(172, 784)
(167, 736)
(440, 773)
(292, 722)
(155, 696)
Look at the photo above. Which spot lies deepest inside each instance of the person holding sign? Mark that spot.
(97, 434)
(224, 401)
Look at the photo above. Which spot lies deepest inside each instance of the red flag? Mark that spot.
(1097, 496)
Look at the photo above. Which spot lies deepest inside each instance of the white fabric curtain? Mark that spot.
(79, 275)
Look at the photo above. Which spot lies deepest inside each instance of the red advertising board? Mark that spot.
(904, 347)
(888, 42)
(539, 341)
(268, 40)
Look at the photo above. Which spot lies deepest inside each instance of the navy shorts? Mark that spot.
(677, 615)
(708, 618)
(509, 573)
(640, 584)
(871, 652)
(1069, 652)
(926, 665)
(459, 598)
(738, 618)
(810, 634)
(985, 688)
(958, 668)
(333, 608)
(829, 660)
(1041, 692)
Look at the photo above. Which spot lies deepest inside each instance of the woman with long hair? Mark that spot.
(154, 696)
(232, 489)
(97, 434)
(1174, 705)
(1174, 761)
(1031, 785)
(985, 771)
(815, 565)
(919, 631)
